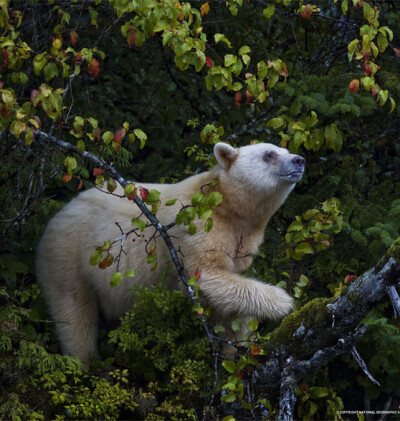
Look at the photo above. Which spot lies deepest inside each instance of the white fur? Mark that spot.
(252, 189)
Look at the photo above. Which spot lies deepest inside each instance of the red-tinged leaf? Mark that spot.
(78, 56)
(204, 9)
(197, 274)
(66, 178)
(368, 69)
(111, 185)
(119, 135)
(255, 350)
(199, 311)
(34, 95)
(1, 85)
(348, 278)
(80, 184)
(238, 98)
(249, 97)
(307, 12)
(304, 387)
(105, 263)
(97, 171)
(354, 85)
(131, 36)
(93, 67)
(73, 36)
(240, 374)
(209, 62)
(96, 134)
(397, 52)
(130, 191)
(374, 91)
(143, 193)
(4, 58)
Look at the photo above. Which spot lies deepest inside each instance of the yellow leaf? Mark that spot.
(204, 9)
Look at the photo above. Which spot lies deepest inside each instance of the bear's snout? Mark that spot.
(299, 162)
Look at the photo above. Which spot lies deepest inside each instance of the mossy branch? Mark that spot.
(324, 328)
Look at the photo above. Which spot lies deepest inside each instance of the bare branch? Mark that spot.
(362, 364)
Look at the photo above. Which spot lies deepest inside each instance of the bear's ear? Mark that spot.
(225, 154)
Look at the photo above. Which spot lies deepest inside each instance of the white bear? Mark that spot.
(254, 180)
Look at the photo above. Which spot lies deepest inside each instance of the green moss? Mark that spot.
(353, 296)
(292, 329)
(394, 250)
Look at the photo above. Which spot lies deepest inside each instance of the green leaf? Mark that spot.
(269, 11)
(308, 214)
(253, 325)
(219, 328)
(130, 273)
(151, 258)
(229, 398)
(70, 163)
(236, 324)
(241, 364)
(304, 248)
(230, 366)
(244, 50)
(38, 63)
(142, 136)
(139, 223)
(318, 392)
(196, 198)
(170, 202)
(229, 59)
(295, 226)
(107, 137)
(275, 123)
(153, 196)
(246, 59)
(221, 37)
(214, 199)
(393, 105)
(303, 282)
(116, 279)
(312, 120)
(50, 70)
(345, 6)
(192, 228)
(192, 281)
(209, 225)
(333, 137)
(205, 213)
(229, 418)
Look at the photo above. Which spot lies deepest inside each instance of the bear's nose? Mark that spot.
(299, 161)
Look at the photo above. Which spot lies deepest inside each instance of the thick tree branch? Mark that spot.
(323, 329)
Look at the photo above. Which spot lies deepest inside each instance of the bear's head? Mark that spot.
(263, 167)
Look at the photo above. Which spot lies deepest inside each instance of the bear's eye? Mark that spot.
(269, 156)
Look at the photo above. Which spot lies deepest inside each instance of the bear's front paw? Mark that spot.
(279, 303)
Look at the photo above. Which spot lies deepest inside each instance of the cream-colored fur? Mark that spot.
(254, 180)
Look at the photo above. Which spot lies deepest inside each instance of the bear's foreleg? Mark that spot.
(230, 294)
